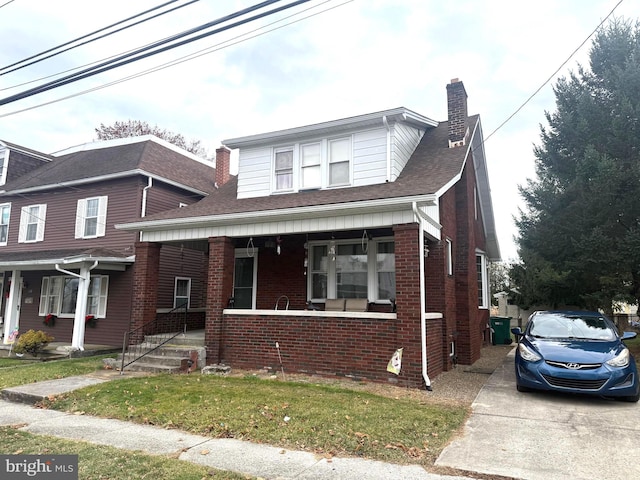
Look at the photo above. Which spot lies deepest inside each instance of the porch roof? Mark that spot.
(48, 259)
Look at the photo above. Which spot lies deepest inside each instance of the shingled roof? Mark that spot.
(141, 155)
(432, 166)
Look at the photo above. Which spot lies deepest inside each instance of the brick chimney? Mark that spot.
(223, 159)
(457, 112)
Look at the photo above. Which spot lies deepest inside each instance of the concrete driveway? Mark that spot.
(543, 436)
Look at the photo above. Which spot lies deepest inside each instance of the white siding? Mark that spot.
(370, 157)
(404, 140)
(254, 172)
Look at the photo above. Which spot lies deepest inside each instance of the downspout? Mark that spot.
(77, 342)
(423, 307)
(386, 125)
(143, 209)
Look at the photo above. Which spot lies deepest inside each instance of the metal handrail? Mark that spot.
(140, 350)
(286, 307)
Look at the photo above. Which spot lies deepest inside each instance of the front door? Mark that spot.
(244, 278)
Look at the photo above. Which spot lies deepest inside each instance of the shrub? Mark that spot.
(32, 342)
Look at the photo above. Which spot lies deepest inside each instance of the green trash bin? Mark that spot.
(501, 330)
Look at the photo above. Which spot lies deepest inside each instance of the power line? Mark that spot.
(553, 74)
(37, 60)
(7, 3)
(125, 59)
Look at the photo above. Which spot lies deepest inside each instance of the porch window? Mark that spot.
(182, 293)
(481, 269)
(32, 219)
(5, 211)
(284, 169)
(352, 269)
(59, 295)
(91, 217)
(244, 280)
(311, 172)
(339, 161)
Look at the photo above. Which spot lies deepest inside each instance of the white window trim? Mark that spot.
(2, 206)
(484, 303)
(297, 181)
(247, 253)
(44, 297)
(24, 219)
(332, 287)
(175, 291)
(4, 155)
(81, 216)
(449, 255)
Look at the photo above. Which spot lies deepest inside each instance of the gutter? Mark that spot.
(143, 207)
(423, 320)
(386, 125)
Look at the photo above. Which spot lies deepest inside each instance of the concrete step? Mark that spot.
(141, 366)
(188, 339)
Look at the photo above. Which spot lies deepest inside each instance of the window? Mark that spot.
(386, 268)
(449, 254)
(59, 296)
(481, 269)
(284, 169)
(4, 160)
(32, 223)
(244, 280)
(339, 161)
(91, 217)
(352, 269)
(311, 173)
(182, 293)
(5, 213)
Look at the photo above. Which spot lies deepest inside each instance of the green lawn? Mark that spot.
(99, 462)
(326, 420)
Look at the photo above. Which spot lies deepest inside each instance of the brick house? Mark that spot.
(340, 242)
(59, 253)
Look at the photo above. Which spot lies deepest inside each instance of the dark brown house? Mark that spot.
(63, 266)
(339, 243)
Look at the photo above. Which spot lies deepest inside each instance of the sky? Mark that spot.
(320, 61)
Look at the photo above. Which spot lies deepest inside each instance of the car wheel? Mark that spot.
(631, 398)
(520, 388)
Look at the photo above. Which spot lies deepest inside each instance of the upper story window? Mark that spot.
(449, 253)
(91, 217)
(322, 164)
(5, 213)
(284, 169)
(339, 161)
(4, 160)
(311, 176)
(32, 220)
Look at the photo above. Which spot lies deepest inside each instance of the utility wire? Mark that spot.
(553, 74)
(125, 59)
(37, 60)
(7, 3)
(183, 59)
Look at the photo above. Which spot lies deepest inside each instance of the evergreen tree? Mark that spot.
(579, 236)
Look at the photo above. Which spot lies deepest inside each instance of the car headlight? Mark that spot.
(620, 360)
(528, 354)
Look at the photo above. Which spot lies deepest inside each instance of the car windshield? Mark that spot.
(584, 327)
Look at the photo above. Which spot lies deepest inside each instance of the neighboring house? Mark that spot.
(59, 253)
(389, 210)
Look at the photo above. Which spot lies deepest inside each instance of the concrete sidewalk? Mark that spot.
(542, 436)
(226, 454)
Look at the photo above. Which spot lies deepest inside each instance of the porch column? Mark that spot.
(12, 305)
(77, 339)
(407, 246)
(219, 291)
(145, 285)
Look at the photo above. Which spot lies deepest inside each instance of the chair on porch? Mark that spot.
(334, 305)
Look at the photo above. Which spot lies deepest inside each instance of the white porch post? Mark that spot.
(77, 340)
(12, 306)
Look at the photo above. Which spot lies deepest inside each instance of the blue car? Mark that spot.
(575, 352)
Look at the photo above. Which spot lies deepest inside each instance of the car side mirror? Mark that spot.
(629, 335)
(517, 331)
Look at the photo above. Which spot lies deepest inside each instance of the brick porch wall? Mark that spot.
(145, 285)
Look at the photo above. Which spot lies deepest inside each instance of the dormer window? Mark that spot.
(311, 168)
(339, 160)
(284, 169)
